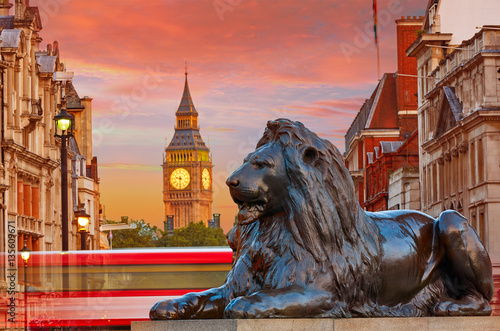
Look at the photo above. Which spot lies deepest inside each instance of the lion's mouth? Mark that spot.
(249, 211)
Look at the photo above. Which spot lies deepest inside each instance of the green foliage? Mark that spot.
(195, 234)
(144, 235)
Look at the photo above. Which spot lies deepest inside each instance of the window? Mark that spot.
(35, 202)
(473, 219)
(26, 138)
(453, 175)
(480, 161)
(460, 171)
(434, 183)
(20, 198)
(472, 160)
(425, 190)
(441, 180)
(27, 199)
(482, 227)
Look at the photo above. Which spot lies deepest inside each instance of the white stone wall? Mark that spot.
(461, 17)
(404, 189)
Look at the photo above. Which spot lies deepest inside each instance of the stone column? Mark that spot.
(10, 100)
(51, 114)
(17, 87)
(25, 80)
(46, 111)
(34, 80)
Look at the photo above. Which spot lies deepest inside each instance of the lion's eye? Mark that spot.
(259, 165)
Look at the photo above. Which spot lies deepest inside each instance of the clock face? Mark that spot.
(179, 178)
(205, 179)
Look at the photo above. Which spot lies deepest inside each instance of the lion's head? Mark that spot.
(295, 172)
(259, 186)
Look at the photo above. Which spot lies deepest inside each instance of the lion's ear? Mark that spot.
(310, 155)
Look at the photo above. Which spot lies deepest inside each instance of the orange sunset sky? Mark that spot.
(249, 61)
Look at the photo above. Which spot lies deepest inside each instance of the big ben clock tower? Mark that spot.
(187, 169)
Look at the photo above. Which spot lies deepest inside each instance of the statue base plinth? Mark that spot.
(327, 324)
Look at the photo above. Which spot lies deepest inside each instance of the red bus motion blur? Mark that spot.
(109, 289)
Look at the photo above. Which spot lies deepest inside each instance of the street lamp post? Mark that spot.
(25, 255)
(83, 221)
(64, 122)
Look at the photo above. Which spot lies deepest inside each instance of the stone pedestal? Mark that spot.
(326, 324)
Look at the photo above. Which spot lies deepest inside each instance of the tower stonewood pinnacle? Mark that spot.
(187, 168)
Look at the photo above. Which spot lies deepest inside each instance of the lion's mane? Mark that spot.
(322, 213)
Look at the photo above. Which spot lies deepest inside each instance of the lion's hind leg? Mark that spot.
(465, 268)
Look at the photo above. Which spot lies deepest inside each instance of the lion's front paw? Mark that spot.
(168, 310)
(244, 308)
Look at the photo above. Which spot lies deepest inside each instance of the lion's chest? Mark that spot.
(261, 257)
(267, 266)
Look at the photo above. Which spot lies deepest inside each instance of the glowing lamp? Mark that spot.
(64, 121)
(25, 254)
(83, 220)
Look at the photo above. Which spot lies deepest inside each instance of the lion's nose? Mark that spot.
(232, 183)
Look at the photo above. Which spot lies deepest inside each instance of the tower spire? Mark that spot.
(186, 68)
(186, 104)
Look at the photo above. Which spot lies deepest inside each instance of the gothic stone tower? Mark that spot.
(187, 169)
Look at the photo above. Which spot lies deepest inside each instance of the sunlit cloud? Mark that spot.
(139, 167)
(220, 129)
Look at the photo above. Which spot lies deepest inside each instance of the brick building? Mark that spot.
(383, 136)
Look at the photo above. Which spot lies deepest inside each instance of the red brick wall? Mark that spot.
(407, 29)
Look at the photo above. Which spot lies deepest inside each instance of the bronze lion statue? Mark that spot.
(305, 248)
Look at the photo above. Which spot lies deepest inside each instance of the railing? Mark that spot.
(29, 224)
(463, 53)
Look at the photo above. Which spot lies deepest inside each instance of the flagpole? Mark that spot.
(375, 28)
(378, 61)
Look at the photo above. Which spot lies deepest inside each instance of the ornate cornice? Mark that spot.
(28, 177)
(21, 153)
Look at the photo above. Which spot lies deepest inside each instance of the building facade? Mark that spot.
(187, 170)
(459, 116)
(30, 158)
(383, 136)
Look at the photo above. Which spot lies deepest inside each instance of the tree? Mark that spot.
(195, 234)
(144, 235)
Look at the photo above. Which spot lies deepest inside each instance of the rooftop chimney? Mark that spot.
(21, 9)
(407, 31)
(5, 6)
